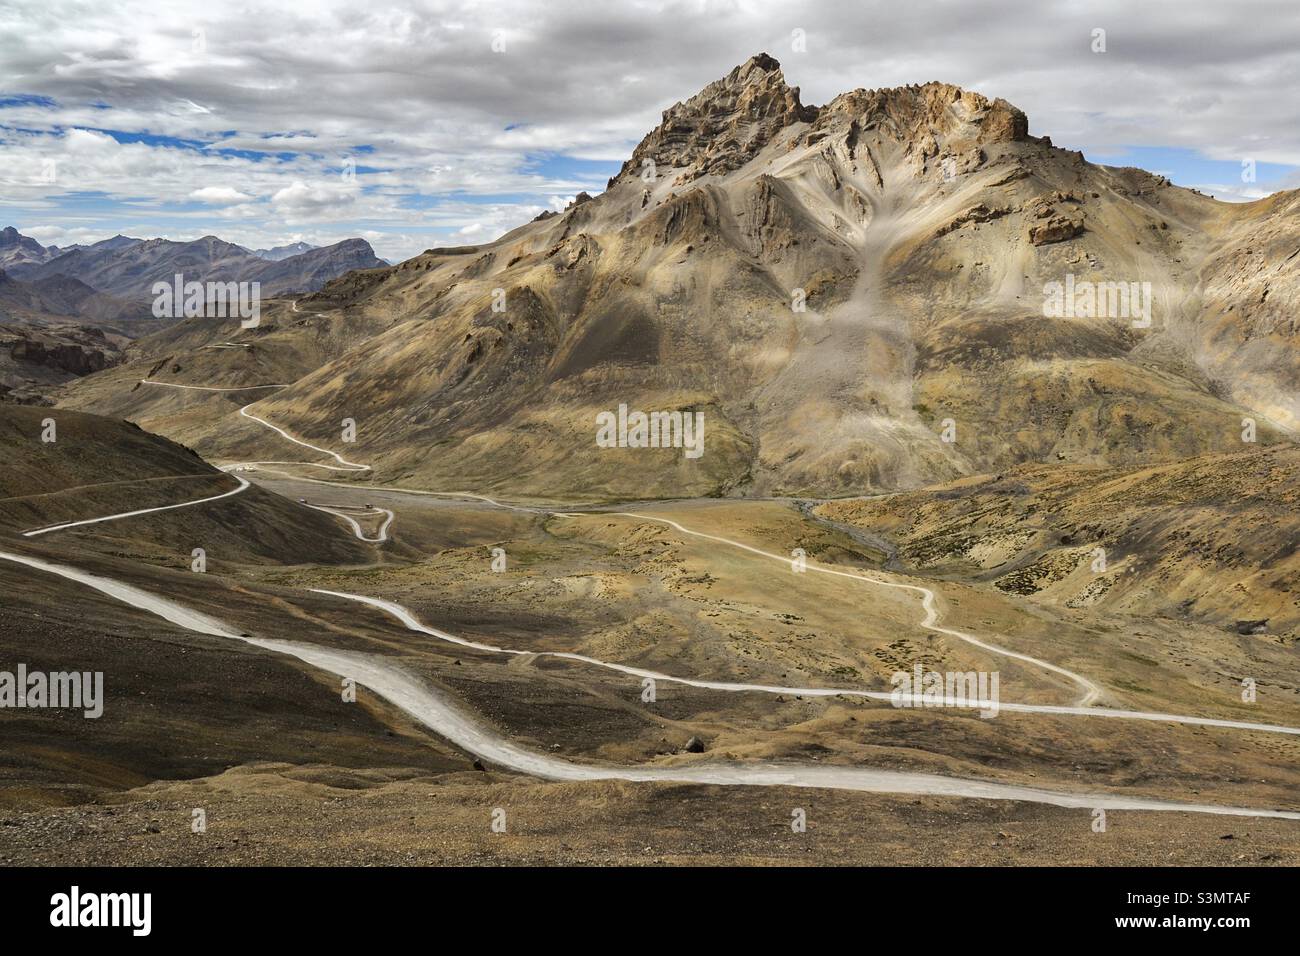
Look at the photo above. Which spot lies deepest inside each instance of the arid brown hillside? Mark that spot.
(837, 289)
(97, 466)
(1210, 539)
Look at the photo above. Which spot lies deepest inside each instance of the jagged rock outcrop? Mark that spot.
(1055, 229)
(723, 126)
(74, 359)
(35, 360)
(927, 117)
(976, 213)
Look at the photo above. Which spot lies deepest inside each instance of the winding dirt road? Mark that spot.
(243, 486)
(413, 623)
(380, 536)
(424, 704)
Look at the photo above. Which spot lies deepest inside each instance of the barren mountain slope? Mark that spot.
(97, 466)
(1249, 334)
(834, 288)
(1211, 539)
(285, 346)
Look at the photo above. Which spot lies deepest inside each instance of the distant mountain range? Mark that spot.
(60, 296)
(19, 250)
(65, 312)
(284, 252)
(124, 270)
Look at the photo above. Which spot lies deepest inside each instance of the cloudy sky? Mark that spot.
(435, 123)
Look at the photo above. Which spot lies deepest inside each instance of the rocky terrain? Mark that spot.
(287, 771)
(1098, 508)
(35, 360)
(839, 289)
(323, 816)
(1210, 539)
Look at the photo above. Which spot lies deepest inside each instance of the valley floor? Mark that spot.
(287, 772)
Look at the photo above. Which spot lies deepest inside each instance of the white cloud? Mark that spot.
(220, 195)
(302, 200)
(430, 115)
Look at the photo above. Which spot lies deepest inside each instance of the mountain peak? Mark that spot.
(9, 236)
(758, 63)
(722, 126)
(726, 124)
(920, 113)
(19, 250)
